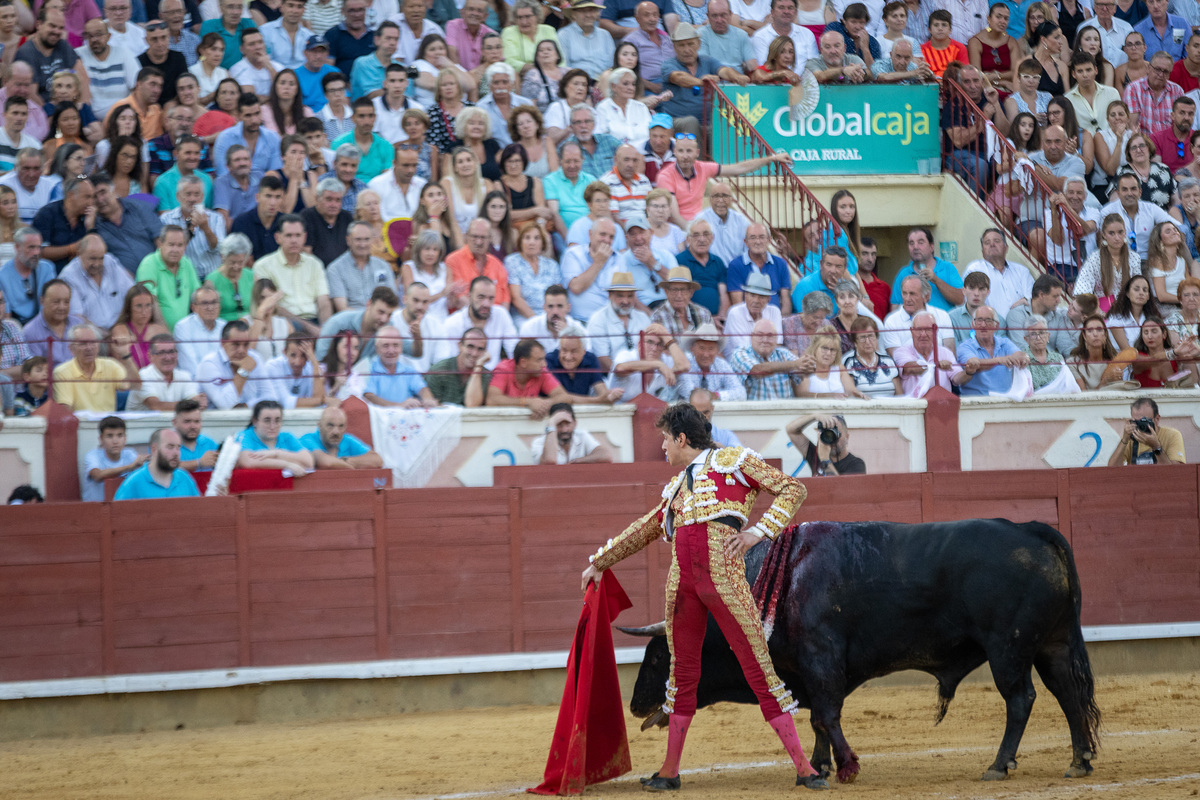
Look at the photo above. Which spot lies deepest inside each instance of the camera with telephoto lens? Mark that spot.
(828, 435)
(411, 73)
(1144, 425)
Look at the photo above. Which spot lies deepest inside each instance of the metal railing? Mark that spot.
(1012, 193)
(774, 196)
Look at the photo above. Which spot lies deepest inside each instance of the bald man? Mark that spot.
(98, 282)
(768, 371)
(333, 448)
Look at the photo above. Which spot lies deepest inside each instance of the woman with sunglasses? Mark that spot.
(139, 322)
(234, 280)
(1153, 176)
(1136, 65)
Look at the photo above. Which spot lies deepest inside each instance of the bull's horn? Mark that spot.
(657, 629)
(659, 718)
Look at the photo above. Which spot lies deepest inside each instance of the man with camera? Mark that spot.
(831, 454)
(1145, 441)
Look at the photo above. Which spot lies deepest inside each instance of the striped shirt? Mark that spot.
(629, 197)
(938, 60)
(9, 148)
(320, 17)
(111, 80)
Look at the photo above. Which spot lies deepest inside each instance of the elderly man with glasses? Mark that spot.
(199, 333)
(989, 359)
(1151, 98)
(88, 382)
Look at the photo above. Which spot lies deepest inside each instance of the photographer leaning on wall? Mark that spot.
(1145, 441)
(831, 454)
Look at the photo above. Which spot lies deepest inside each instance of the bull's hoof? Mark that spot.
(655, 783)
(1078, 771)
(994, 775)
(815, 782)
(848, 773)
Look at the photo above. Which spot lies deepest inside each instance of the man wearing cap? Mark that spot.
(728, 44)
(650, 263)
(708, 269)
(756, 307)
(684, 75)
(586, 271)
(658, 150)
(466, 33)
(585, 45)
(729, 225)
(688, 177)
(708, 370)
(679, 314)
(758, 260)
(616, 326)
(315, 67)
(286, 37)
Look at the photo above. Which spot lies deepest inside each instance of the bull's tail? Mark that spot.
(1082, 686)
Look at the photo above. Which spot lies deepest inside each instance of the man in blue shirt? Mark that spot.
(825, 279)
(197, 452)
(757, 260)
(391, 381)
(24, 275)
(351, 37)
(684, 74)
(312, 71)
(728, 44)
(1163, 31)
(333, 448)
(262, 143)
(988, 359)
(160, 476)
(943, 277)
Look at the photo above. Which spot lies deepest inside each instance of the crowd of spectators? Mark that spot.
(419, 203)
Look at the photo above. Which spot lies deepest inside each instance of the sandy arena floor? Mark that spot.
(1149, 750)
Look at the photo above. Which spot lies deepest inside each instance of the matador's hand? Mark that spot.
(590, 575)
(736, 544)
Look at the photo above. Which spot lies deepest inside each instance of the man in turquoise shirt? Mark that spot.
(943, 276)
(564, 189)
(377, 152)
(368, 72)
(314, 69)
(229, 25)
(333, 448)
(160, 476)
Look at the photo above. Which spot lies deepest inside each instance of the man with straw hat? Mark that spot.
(679, 314)
(616, 326)
(708, 369)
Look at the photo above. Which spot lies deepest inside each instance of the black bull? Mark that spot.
(861, 600)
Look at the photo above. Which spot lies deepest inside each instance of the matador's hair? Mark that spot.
(684, 418)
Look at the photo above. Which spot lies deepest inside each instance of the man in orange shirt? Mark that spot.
(144, 101)
(523, 380)
(687, 177)
(940, 50)
(473, 261)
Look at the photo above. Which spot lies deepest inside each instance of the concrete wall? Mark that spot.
(22, 457)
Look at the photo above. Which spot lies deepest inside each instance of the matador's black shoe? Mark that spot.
(658, 784)
(812, 782)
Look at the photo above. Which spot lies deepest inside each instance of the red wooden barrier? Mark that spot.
(298, 577)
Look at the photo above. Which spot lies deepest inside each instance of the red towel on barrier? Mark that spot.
(590, 744)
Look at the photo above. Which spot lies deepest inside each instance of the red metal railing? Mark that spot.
(1021, 207)
(774, 195)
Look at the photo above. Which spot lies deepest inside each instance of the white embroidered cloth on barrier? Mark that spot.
(414, 442)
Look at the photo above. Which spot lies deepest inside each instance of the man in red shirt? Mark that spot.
(1172, 142)
(524, 381)
(687, 178)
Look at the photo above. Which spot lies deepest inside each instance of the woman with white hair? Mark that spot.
(521, 39)
(234, 280)
(619, 114)
(1045, 365)
(428, 267)
(473, 130)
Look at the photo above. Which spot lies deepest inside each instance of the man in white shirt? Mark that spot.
(783, 23)
(30, 185)
(741, 318)
(414, 32)
(915, 292)
(399, 189)
(1011, 283)
(391, 105)
(546, 327)
(225, 376)
(294, 379)
(199, 333)
(653, 368)
(1140, 217)
(112, 72)
(163, 384)
(1112, 31)
(125, 37)
(12, 135)
(98, 282)
(420, 332)
(729, 225)
(587, 270)
(483, 313)
(565, 443)
(256, 71)
(616, 326)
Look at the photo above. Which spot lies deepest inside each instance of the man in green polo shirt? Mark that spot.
(171, 274)
(462, 380)
(377, 152)
(564, 190)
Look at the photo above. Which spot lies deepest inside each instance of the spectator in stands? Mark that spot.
(659, 149)
(465, 34)
(873, 372)
(1010, 284)
(1046, 365)
(260, 224)
(757, 259)
(421, 331)
(63, 223)
(707, 370)
(1089, 97)
(159, 474)
(940, 50)
(831, 272)
(327, 223)
(399, 189)
(1150, 99)
(834, 65)
(355, 274)
(599, 149)
(729, 225)
(755, 307)
(476, 260)
(363, 321)
(918, 357)
(782, 22)
(262, 143)
(375, 153)
(824, 459)
(945, 282)
(198, 453)
(702, 401)
(914, 298)
(299, 275)
(227, 375)
(965, 132)
(647, 259)
(35, 375)
(570, 444)
(187, 162)
(989, 359)
(579, 370)
(1139, 217)
(853, 29)
(531, 270)
(1061, 249)
(128, 227)
(463, 379)
(333, 448)
(163, 385)
(628, 184)
(900, 67)
(685, 73)
(878, 291)
(653, 368)
(160, 56)
(256, 70)
(679, 315)
(706, 268)
(585, 45)
(598, 197)
(33, 189)
(234, 192)
(1134, 304)
(46, 333)
(170, 274)
(47, 51)
(111, 72)
(564, 189)
(547, 326)
(501, 100)
(828, 378)
(180, 124)
(1112, 29)
(144, 102)
(23, 277)
(1145, 440)
(977, 286)
(1157, 187)
(229, 25)
(266, 446)
(766, 370)
(728, 44)
(482, 311)
(391, 380)
(654, 47)
(524, 380)
(111, 459)
(585, 270)
(88, 382)
(20, 83)
(1162, 30)
(294, 379)
(1091, 358)
(1045, 295)
(799, 328)
(687, 178)
(368, 73)
(618, 323)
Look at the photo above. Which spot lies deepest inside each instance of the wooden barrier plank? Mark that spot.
(50, 609)
(160, 631)
(466, 558)
(445, 645)
(582, 500)
(380, 583)
(153, 573)
(451, 588)
(354, 534)
(309, 651)
(181, 541)
(28, 579)
(337, 593)
(333, 507)
(48, 547)
(139, 602)
(283, 622)
(45, 640)
(52, 517)
(175, 657)
(465, 616)
(52, 667)
(272, 566)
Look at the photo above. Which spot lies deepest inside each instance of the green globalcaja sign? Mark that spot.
(880, 130)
